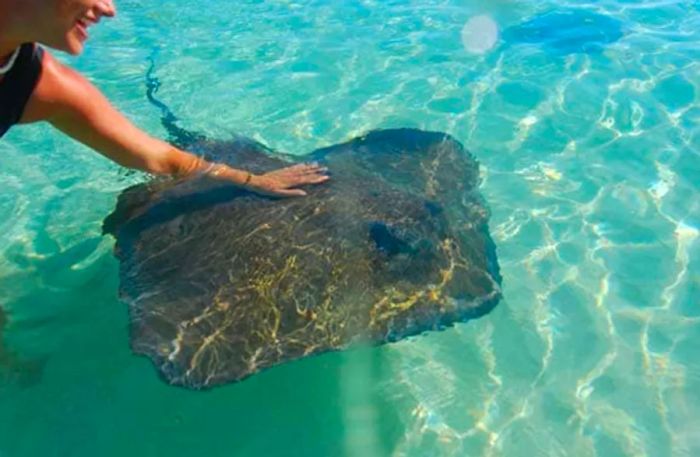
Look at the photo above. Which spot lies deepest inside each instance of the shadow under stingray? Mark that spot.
(567, 31)
(15, 369)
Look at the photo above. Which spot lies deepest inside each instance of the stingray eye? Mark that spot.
(389, 240)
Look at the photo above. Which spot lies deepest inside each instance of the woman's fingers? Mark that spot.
(284, 182)
(293, 193)
(294, 169)
(304, 169)
(304, 166)
(317, 179)
(313, 178)
(280, 192)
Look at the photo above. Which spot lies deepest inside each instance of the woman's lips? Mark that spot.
(81, 26)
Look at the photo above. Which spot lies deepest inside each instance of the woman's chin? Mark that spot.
(69, 45)
(73, 46)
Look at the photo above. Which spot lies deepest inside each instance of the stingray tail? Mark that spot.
(178, 136)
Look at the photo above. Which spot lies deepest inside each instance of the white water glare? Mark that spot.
(479, 34)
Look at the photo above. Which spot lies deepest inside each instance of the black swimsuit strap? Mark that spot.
(18, 84)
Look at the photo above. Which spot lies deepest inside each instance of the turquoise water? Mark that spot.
(589, 161)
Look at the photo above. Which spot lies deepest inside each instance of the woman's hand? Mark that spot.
(283, 182)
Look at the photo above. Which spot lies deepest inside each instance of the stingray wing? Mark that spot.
(434, 163)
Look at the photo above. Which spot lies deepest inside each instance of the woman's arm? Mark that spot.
(76, 107)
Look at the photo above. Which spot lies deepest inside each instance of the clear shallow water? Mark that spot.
(590, 164)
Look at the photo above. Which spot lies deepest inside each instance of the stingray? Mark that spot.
(222, 283)
(567, 31)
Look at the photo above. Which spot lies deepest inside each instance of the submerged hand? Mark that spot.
(283, 182)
